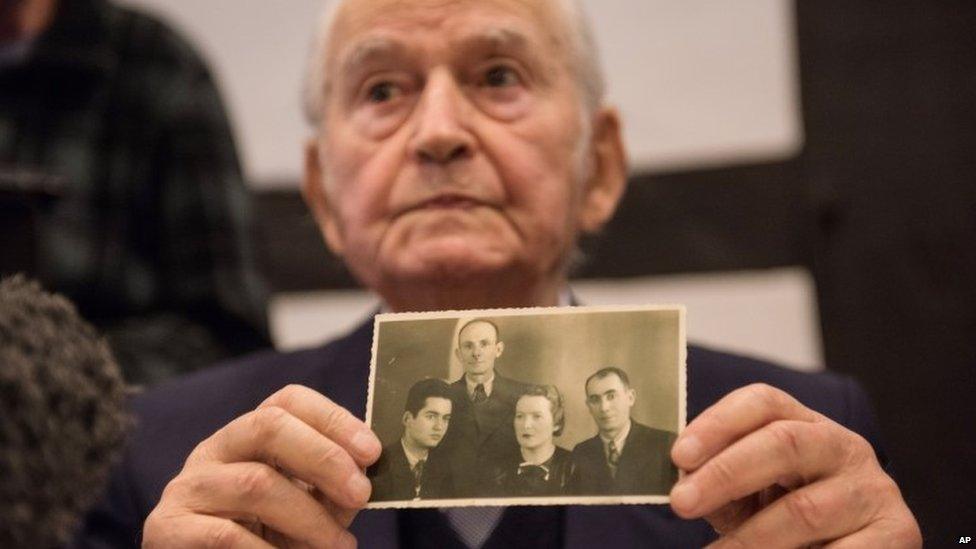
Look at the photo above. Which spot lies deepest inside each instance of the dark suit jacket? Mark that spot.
(508, 483)
(393, 480)
(176, 416)
(644, 466)
(477, 441)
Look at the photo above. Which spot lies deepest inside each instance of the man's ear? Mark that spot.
(500, 346)
(608, 171)
(406, 415)
(632, 395)
(317, 199)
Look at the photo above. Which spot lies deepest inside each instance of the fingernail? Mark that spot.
(358, 488)
(687, 451)
(365, 443)
(685, 496)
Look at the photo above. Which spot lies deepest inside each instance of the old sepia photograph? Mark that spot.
(570, 405)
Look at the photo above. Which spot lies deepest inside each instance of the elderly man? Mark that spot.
(462, 147)
(625, 457)
(481, 434)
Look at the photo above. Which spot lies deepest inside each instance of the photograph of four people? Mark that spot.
(488, 436)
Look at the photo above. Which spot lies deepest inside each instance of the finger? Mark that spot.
(200, 531)
(274, 436)
(342, 515)
(737, 414)
(330, 419)
(789, 453)
(256, 493)
(816, 513)
(887, 533)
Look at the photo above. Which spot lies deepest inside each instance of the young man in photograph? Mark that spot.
(624, 457)
(405, 469)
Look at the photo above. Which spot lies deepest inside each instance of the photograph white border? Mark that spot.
(532, 311)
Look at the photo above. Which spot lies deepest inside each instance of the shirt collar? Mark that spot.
(489, 383)
(412, 458)
(620, 439)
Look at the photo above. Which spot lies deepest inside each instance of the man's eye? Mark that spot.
(383, 92)
(500, 77)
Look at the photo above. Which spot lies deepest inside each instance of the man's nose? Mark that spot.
(440, 134)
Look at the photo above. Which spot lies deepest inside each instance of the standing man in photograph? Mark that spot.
(405, 470)
(624, 457)
(481, 434)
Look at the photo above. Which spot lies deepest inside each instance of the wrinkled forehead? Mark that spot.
(600, 385)
(477, 331)
(362, 27)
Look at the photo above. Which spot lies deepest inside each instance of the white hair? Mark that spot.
(583, 60)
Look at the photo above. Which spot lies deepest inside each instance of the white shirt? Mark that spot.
(488, 383)
(618, 441)
(412, 458)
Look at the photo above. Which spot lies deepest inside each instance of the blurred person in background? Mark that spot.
(150, 236)
(61, 420)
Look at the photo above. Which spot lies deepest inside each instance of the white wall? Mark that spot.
(769, 314)
(699, 82)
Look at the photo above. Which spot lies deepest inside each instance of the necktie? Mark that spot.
(418, 472)
(613, 457)
(473, 524)
(479, 394)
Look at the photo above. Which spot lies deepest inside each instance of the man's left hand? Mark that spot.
(766, 471)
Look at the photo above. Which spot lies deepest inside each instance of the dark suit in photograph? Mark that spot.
(548, 479)
(394, 480)
(481, 436)
(174, 417)
(644, 467)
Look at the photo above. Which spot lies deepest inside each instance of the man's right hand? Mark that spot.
(289, 473)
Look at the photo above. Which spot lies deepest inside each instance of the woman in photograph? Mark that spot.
(544, 469)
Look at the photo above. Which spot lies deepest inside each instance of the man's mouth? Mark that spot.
(449, 201)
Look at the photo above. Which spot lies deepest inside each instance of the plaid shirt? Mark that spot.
(151, 236)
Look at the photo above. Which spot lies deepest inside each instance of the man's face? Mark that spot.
(430, 424)
(478, 347)
(533, 421)
(609, 402)
(451, 145)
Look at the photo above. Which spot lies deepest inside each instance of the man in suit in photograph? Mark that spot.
(481, 434)
(625, 457)
(408, 469)
(461, 149)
